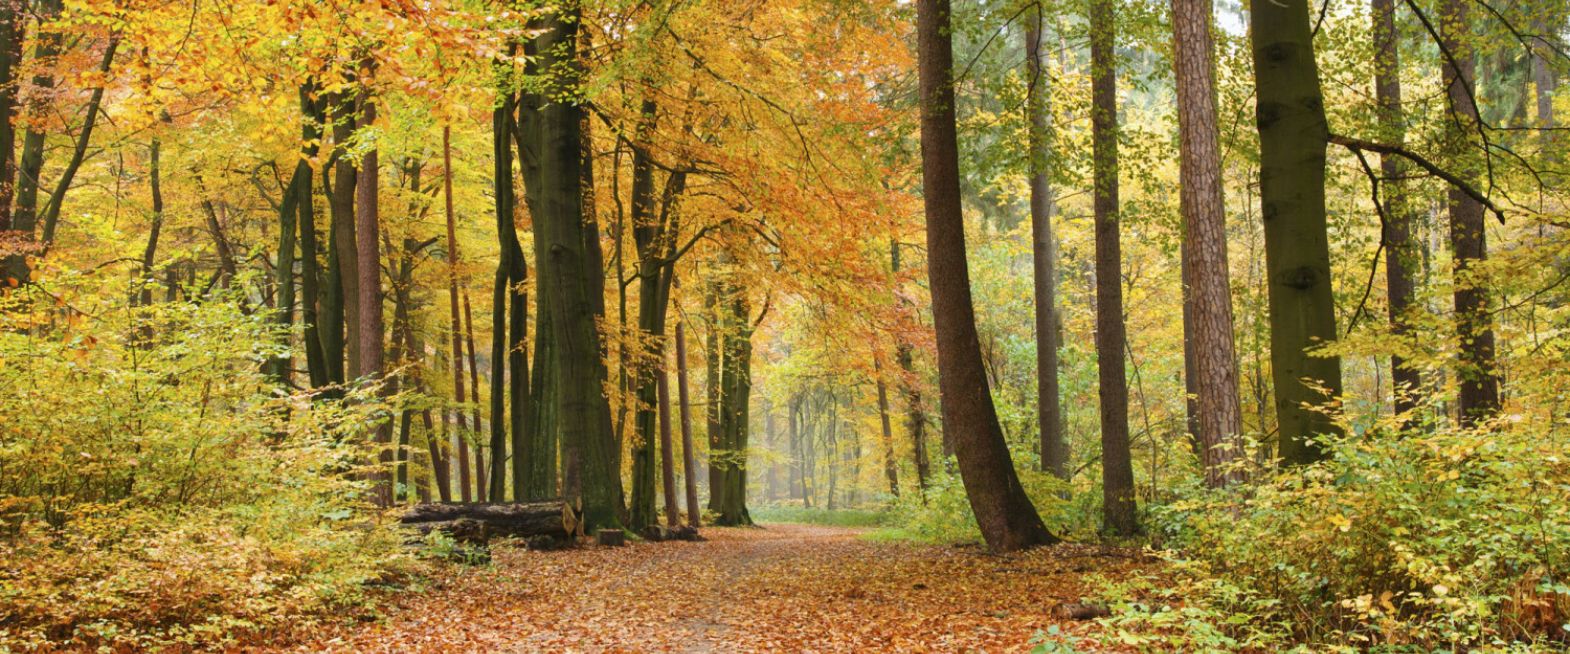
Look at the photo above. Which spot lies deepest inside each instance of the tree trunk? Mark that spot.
(1049, 414)
(689, 476)
(24, 219)
(1401, 252)
(1205, 242)
(342, 342)
(461, 439)
(890, 468)
(310, 268)
(735, 411)
(648, 237)
(13, 25)
(367, 227)
(481, 522)
(1479, 397)
(667, 451)
(1004, 513)
(1292, 138)
(570, 276)
(915, 410)
(1117, 472)
(144, 282)
(51, 216)
(474, 399)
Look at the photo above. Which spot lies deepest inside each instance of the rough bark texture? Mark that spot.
(13, 21)
(1205, 241)
(728, 466)
(1290, 115)
(1401, 252)
(648, 236)
(1049, 413)
(1007, 519)
(1117, 471)
(1479, 397)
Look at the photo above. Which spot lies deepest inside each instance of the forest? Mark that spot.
(785, 325)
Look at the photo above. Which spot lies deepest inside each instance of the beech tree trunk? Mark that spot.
(689, 475)
(367, 219)
(1292, 138)
(569, 274)
(1402, 255)
(24, 218)
(1049, 414)
(890, 468)
(461, 436)
(1007, 519)
(1205, 241)
(915, 411)
(1479, 397)
(1119, 517)
(342, 324)
(13, 25)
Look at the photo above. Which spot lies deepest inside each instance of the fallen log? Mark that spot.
(481, 523)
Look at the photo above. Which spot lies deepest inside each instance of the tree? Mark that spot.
(1401, 253)
(367, 226)
(569, 274)
(1007, 519)
(1293, 132)
(1117, 471)
(1205, 242)
(1049, 413)
(1479, 397)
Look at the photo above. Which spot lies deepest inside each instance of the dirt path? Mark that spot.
(793, 588)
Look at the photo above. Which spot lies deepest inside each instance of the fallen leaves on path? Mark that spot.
(792, 588)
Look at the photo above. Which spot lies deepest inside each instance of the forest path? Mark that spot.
(781, 588)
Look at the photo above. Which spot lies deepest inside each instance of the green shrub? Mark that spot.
(156, 488)
(1452, 540)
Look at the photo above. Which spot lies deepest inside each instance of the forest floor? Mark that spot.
(780, 588)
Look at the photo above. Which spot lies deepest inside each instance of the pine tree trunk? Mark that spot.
(1479, 397)
(1292, 139)
(1007, 519)
(1205, 242)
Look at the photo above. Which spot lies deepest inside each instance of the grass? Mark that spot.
(818, 516)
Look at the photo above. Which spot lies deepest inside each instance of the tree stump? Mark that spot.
(610, 537)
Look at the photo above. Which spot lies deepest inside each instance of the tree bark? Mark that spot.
(1119, 517)
(51, 215)
(569, 276)
(367, 226)
(1292, 136)
(13, 26)
(461, 437)
(1007, 519)
(1479, 396)
(1401, 252)
(689, 475)
(890, 468)
(24, 219)
(1205, 242)
(915, 408)
(1049, 414)
(316, 363)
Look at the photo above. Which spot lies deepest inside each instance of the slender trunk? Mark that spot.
(1117, 471)
(1007, 519)
(51, 216)
(890, 468)
(24, 219)
(648, 237)
(1205, 243)
(310, 268)
(344, 239)
(13, 22)
(145, 278)
(439, 465)
(915, 411)
(1292, 137)
(474, 400)
(1479, 396)
(461, 437)
(1049, 414)
(667, 452)
(1401, 255)
(501, 125)
(712, 380)
(368, 255)
(689, 475)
